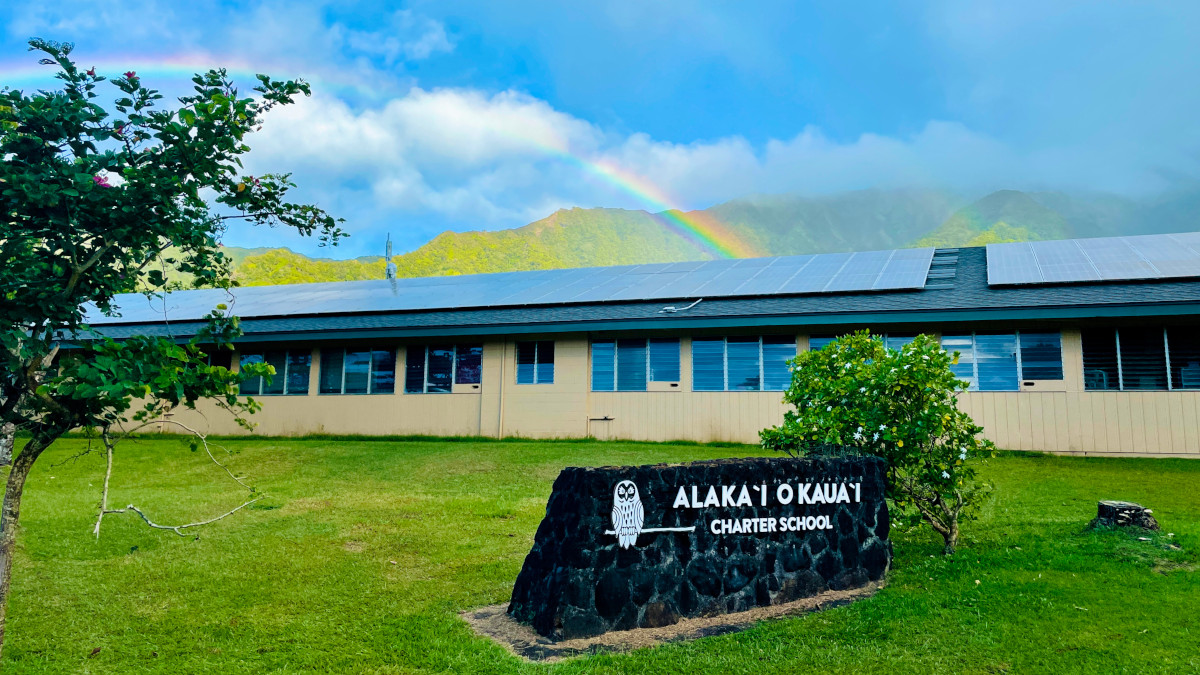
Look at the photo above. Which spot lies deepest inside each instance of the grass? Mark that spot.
(364, 552)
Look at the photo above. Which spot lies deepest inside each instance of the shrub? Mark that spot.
(857, 395)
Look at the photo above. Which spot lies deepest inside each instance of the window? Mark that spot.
(627, 365)
(632, 365)
(996, 367)
(434, 369)
(820, 341)
(1041, 356)
(1184, 351)
(1143, 358)
(777, 351)
(708, 364)
(535, 362)
(742, 363)
(996, 361)
(965, 346)
(222, 358)
(346, 371)
(1131, 359)
(291, 373)
(894, 341)
(664, 359)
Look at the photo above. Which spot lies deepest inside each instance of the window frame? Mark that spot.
(1169, 376)
(762, 379)
(826, 338)
(281, 376)
(537, 362)
(371, 372)
(454, 362)
(616, 360)
(974, 378)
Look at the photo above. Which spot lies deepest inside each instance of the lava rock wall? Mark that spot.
(629, 547)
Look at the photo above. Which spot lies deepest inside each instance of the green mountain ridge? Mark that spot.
(766, 224)
(1005, 215)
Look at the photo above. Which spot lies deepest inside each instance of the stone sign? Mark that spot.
(632, 547)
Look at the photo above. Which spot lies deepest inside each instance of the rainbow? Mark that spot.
(181, 66)
(702, 230)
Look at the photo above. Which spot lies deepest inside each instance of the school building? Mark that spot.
(1082, 346)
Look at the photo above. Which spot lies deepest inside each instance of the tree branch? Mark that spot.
(204, 441)
(177, 529)
(77, 271)
(108, 447)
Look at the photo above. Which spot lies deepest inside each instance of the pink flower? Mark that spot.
(91, 71)
(130, 74)
(100, 181)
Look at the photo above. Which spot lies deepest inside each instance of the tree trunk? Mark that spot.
(8, 437)
(10, 513)
(951, 537)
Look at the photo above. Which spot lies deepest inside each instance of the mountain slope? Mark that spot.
(769, 225)
(852, 221)
(1006, 215)
(567, 238)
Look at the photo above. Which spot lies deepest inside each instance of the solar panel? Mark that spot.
(1064, 261)
(904, 266)
(825, 273)
(817, 274)
(770, 278)
(860, 272)
(1152, 256)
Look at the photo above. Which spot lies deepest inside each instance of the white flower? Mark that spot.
(860, 429)
(862, 390)
(858, 435)
(882, 427)
(876, 436)
(829, 409)
(945, 475)
(963, 455)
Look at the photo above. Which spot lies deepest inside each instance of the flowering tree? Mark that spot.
(896, 404)
(95, 203)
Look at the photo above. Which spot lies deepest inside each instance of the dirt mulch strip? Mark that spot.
(494, 623)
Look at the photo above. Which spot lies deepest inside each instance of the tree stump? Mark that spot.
(1123, 514)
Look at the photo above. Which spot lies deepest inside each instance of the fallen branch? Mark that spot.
(177, 529)
(108, 447)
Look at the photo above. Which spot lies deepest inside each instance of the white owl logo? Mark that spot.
(627, 513)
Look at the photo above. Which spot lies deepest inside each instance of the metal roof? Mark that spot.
(786, 275)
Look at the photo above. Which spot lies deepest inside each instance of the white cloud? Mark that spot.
(470, 160)
(405, 36)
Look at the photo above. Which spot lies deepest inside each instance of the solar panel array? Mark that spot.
(1154, 256)
(788, 275)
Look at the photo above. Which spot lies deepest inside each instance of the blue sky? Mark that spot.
(434, 116)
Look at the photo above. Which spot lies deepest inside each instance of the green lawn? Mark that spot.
(365, 551)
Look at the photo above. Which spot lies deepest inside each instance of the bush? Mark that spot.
(899, 405)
